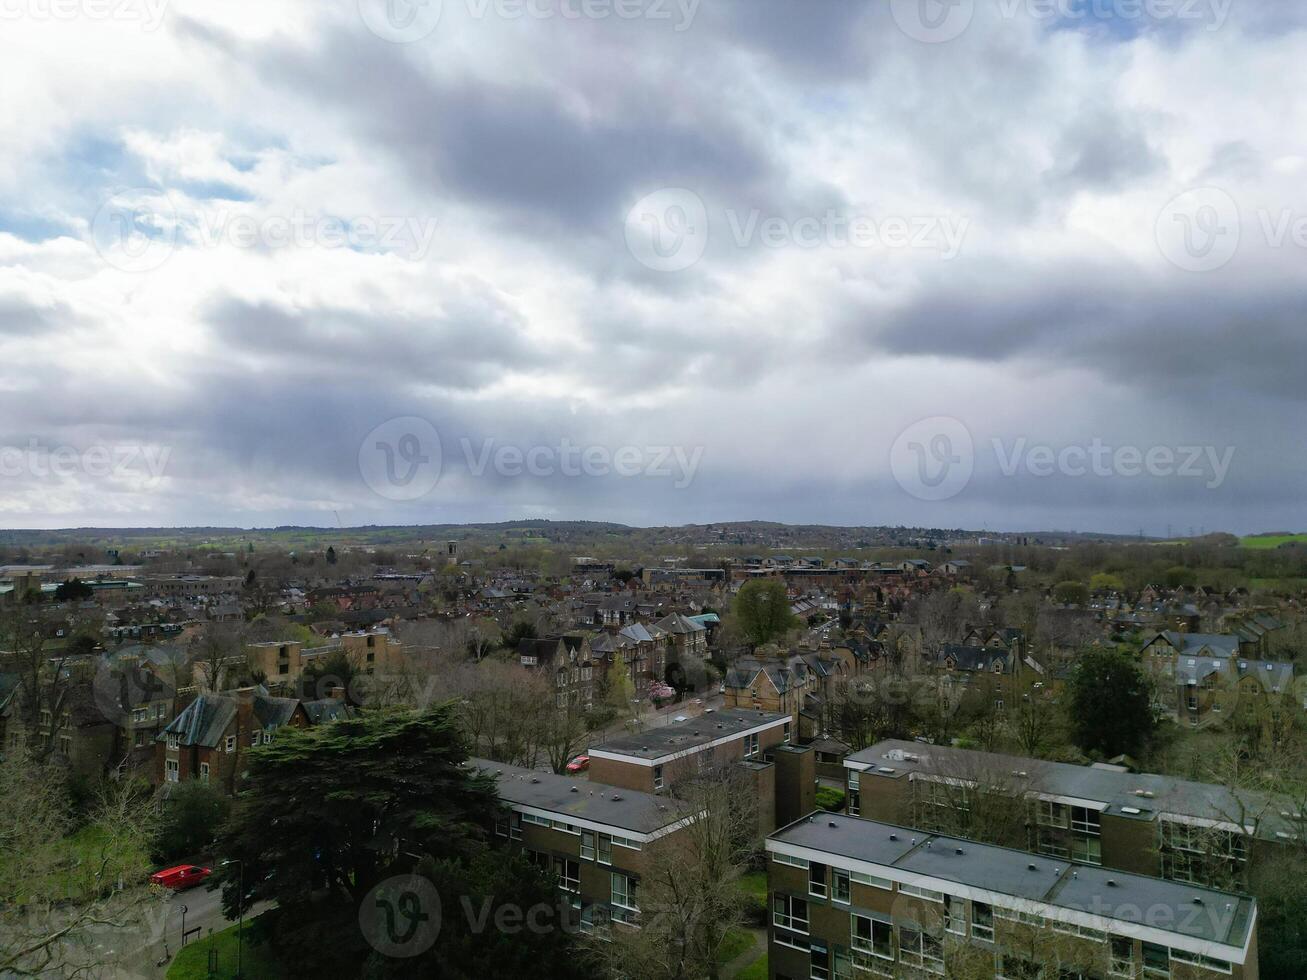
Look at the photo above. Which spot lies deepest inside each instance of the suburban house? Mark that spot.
(853, 897)
(1206, 678)
(106, 720)
(569, 660)
(208, 740)
(598, 839)
(797, 685)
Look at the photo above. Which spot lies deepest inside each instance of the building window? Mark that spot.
(1157, 960)
(229, 744)
(140, 739)
(1086, 844)
(138, 714)
(840, 890)
(501, 825)
(921, 949)
(955, 915)
(817, 880)
(750, 745)
(569, 874)
(791, 913)
(515, 826)
(605, 849)
(1123, 957)
(623, 898)
(786, 736)
(982, 921)
(170, 770)
(873, 936)
(1052, 814)
(65, 746)
(204, 772)
(819, 962)
(256, 738)
(658, 777)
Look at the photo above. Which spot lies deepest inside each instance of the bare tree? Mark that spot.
(56, 896)
(689, 896)
(45, 675)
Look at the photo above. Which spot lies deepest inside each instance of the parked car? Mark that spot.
(182, 876)
(580, 764)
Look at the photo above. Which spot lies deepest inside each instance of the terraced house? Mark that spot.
(597, 839)
(854, 898)
(1099, 815)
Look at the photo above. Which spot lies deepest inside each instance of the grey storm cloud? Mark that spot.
(530, 322)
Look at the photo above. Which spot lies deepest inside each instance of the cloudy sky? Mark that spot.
(1016, 264)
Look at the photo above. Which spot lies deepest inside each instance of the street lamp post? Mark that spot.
(184, 925)
(240, 913)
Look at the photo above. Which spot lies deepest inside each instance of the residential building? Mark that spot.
(209, 739)
(598, 839)
(653, 761)
(853, 898)
(1101, 815)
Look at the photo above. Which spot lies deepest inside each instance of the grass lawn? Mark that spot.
(735, 943)
(192, 961)
(757, 970)
(755, 884)
(1264, 541)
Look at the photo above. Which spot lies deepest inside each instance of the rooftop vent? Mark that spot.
(831, 823)
(1031, 867)
(1111, 882)
(534, 779)
(575, 790)
(893, 836)
(957, 850)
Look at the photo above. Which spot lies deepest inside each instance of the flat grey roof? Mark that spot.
(1217, 916)
(654, 743)
(643, 813)
(1116, 790)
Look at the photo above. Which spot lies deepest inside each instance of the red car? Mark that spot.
(182, 876)
(580, 764)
